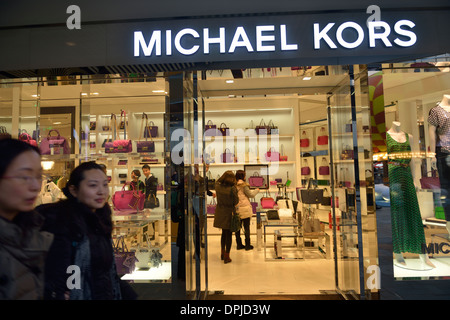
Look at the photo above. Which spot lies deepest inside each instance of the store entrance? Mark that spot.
(310, 113)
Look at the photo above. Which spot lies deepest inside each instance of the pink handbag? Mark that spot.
(211, 208)
(256, 180)
(54, 144)
(272, 155)
(128, 199)
(124, 145)
(324, 170)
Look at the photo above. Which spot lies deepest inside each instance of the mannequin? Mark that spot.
(407, 227)
(439, 136)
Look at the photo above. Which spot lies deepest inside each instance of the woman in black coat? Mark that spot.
(227, 199)
(81, 265)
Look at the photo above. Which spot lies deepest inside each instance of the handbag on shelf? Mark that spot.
(227, 156)
(224, 130)
(25, 137)
(310, 195)
(347, 153)
(150, 131)
(283, 157)
(125, 260)
(151, 202)
(123, 145)
(262, 128)
(256, 180)
(432, 182)
(108, 142)
(322, 139)
(210, 129)
(128, 199)
(146, 145)
(324, 170)
(251, 127)
(272, 155)
(304, 140)
(54, 144)
(4, 133)
(272, 214)
(326, 199)
(305, 170)
(272, 128)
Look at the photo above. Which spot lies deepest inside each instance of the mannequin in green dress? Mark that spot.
(407, 229)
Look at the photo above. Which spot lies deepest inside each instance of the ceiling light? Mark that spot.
(57, 122)
(306, 78)
(95, 93)
(35, 95)
(158, 91)
(47, 165)
(84, 94)
(229, 81)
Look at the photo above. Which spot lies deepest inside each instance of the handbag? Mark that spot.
(108, 142)
(54, 144)
(304, 140)
(150, 129)
(211, 207)
(322, 139)
(282, 156)
(210, 129)
(311, 224)
(272, 215)
(227, 156)
(125, 260)
(272, 128)
(25, 137)
(254, 206)
(347, 153)
(128, 199)
(4, 133)
(326, 200)
(431, 182)
(267, 202)
(256, 180)
(151, 202)
(123, 145)
(224, 129)
(146, 145)
(272, 155)
(324, 170)
(305, 170)
(311, 196)
(142, 255)
(262, 128)
(235, 224)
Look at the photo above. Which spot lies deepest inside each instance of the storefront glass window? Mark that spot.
(413, 166)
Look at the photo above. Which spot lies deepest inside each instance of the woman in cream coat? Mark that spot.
(244, 209)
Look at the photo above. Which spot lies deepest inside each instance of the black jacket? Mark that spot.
(72, 223)
(151, 185)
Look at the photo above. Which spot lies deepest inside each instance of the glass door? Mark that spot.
(353, 212)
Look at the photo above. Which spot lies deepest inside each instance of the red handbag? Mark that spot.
(304, 141)
(25, 137)
(272, 155)
(322, 139)
(431, 182)
(305, 171)
(267, 202)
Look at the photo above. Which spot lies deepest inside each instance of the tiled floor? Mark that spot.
(249, 273)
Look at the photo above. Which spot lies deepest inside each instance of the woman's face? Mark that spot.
(93, 190)
(20, 185)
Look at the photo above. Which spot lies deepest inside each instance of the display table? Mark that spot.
(283, 228)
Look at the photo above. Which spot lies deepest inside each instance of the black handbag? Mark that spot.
(151, 202)
(272, 215)
(326, 200)
(311, 196)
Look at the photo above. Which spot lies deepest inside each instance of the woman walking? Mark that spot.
(227, 199)
(23, 246)
(82, 227)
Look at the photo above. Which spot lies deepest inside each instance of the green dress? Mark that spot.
(407, 228)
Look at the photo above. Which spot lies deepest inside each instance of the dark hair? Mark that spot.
(240, 175)
(137, 173)
(227, 178)
(13, 148)
(145, 166)
(77, 175)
